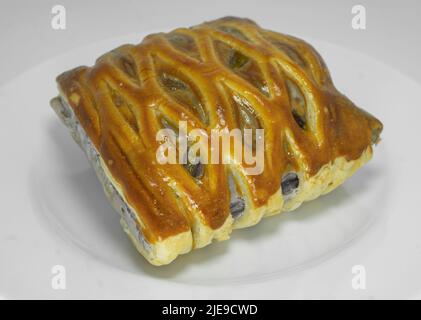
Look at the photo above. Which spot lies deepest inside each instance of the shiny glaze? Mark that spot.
(225, 67)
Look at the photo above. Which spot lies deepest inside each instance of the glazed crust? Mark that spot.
(206, 75)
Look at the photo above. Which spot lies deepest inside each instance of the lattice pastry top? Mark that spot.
(224, 73)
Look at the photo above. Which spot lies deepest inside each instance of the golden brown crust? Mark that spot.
(123, 99)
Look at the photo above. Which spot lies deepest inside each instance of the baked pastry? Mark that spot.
(228, 72)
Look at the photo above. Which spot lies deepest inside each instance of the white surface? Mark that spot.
(54, 211)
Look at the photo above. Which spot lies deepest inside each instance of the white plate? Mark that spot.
(54, 211)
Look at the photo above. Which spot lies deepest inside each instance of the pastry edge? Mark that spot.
(162, 251)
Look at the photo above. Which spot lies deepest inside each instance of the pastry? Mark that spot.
(224, 73)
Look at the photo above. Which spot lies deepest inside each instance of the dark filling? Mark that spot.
(299, 119)
(129, 67)
(290, 182)
(375, 135)
(237, 207)
(195, 170)
(184, 94)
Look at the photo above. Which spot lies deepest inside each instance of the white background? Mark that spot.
(30, 242)
(392, 35)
